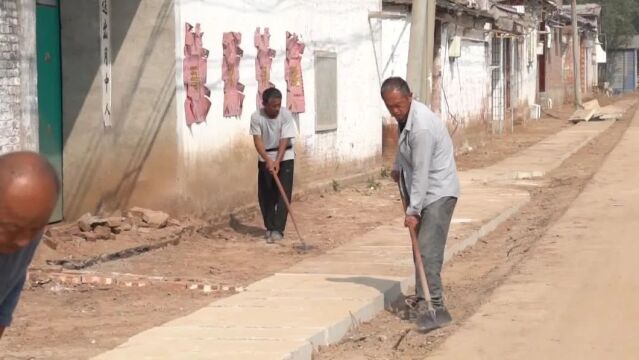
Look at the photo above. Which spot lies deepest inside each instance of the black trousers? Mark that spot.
(272, 205)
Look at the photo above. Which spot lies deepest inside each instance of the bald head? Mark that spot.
(28, 193)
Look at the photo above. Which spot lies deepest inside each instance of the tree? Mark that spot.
(620, 20)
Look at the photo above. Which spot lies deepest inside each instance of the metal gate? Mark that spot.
(497, 85)
(629, 71)
(621, 70)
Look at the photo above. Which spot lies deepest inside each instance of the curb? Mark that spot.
(334, 333)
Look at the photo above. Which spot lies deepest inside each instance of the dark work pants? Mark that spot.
(431, 236)
(272, 205)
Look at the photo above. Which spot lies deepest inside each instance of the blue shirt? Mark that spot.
(13, 273)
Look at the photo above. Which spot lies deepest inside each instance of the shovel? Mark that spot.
(427, 321)
(302, 245)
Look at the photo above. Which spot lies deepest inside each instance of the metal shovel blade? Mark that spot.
(433, 319)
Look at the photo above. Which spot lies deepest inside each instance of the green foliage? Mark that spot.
(620, 20)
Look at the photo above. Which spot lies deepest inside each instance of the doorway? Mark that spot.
(50, 88)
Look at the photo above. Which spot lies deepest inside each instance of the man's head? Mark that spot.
(29, 190)
(272, 101)
(397, 97)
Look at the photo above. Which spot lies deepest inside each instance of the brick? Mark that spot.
(9, 81)
(10, 38)
(4, 64)
(10, 107)
(8, 133)
(7, 55)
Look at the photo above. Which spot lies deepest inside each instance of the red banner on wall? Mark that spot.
(197, 103)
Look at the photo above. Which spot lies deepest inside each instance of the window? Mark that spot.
(325, 91)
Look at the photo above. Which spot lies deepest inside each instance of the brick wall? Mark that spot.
(10, 110)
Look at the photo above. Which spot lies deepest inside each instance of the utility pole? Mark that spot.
(427, 58)
(575, 54)
(416, 46)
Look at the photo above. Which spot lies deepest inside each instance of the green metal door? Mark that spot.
(50, 86)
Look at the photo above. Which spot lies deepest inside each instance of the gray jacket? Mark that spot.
(426, 159)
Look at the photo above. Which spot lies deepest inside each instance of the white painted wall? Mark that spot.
(395, 43)
(466, 79)
(466, 85)
(341, 26)
(527, 78)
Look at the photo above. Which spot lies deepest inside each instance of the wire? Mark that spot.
(455, 121)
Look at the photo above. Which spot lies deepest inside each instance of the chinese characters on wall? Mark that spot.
(197, 103)
(293, 67)
(105, 60)
(263, 62)
(233, 88)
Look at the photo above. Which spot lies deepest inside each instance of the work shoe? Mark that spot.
(415, 307)
(269, 237)
(276, 236)
(438, 318)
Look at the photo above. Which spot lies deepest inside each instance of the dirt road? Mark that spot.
(576, 296)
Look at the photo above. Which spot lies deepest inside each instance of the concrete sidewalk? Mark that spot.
(317, 301)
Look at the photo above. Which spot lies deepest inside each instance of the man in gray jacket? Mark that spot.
(425, 167)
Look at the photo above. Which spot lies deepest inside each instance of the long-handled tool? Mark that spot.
(429, 320)
(303, 245)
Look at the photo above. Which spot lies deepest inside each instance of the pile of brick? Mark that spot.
(93, 228)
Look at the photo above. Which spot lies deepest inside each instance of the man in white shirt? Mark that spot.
(273, 129)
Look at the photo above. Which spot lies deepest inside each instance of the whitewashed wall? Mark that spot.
(330, 25)
(395, 43)
(217, 160)
(528, 75)
(466, 79)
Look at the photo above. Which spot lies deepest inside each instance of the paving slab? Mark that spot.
(197, 348)
(537, 160)
(582, 115)
(317, 301)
